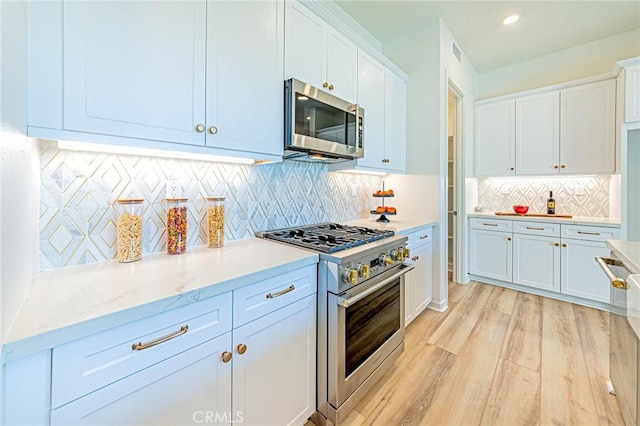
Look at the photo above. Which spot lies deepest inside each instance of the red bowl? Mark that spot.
(521, 209)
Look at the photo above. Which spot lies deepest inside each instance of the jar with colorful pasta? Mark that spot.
(176, 225)
(215, 219)
(129, 228)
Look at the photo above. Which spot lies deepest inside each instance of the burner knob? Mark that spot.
(363, 271)
(407, 252)
(385, 259)
(350, 276)
(398, 255)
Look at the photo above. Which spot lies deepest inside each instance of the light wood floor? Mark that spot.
(498, 357)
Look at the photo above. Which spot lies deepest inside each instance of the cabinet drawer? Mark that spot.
(491, 224)
(537, 228)
(91, 363)
(420, 237)
(266, 296)
(591, 233)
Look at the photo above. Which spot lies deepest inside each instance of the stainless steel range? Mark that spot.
(360, 308)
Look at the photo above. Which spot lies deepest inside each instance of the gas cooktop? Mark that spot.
(326, 237)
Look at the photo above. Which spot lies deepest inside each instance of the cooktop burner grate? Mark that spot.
(326, 237)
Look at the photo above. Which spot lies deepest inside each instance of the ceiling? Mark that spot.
(544, 27)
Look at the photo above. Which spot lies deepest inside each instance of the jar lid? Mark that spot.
(176, 199)
(130, 201)
(216, 198)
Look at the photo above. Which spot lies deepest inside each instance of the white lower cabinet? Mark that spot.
(580, 272)
(536, 261)
(274, 379)
(418, 283)
(490, 254)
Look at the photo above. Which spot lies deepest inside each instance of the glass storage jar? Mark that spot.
(129, 228)
(176, 225)
(215, 218)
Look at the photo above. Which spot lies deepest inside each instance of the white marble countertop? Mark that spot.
(576, 220)
(401, 226)
(69, 303)
(628, 252)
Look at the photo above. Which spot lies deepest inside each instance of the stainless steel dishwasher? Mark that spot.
(623, 340)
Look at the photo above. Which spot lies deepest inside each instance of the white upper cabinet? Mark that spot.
(632, 94)
(538, 134)
(495, 139)
(245, 71)
(135, 69)
(395, 100)
(318, 54)
(587, 128)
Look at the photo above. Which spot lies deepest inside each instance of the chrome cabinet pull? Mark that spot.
(281, 292)
(142, 346)
(534, 228)
(490, 224)
(588, 233)
(616, 281)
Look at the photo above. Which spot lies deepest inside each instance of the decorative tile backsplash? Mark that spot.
(77, 217)
(575, 195)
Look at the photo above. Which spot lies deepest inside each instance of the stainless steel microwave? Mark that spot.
(320, 126)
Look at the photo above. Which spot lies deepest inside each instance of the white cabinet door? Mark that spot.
(371, 96)
(536, 261)
(409, 278)
(490, 254)
(587, 128)
(632, 94)
(495, 139)
(245, 90)
(274, 381)
(135, 69)
(538, 134)
(180, 390)
(422, 288)
(395, 99)
(304, 48)
(581, 275)
(342, 66)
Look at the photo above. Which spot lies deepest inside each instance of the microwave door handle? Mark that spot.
(350, 301)
(356, 110)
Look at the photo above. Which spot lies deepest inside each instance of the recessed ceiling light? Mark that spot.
(511, 19)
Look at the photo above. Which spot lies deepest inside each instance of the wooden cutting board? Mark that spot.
(568, 216)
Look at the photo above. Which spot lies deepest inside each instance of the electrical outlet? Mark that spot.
(173, 189)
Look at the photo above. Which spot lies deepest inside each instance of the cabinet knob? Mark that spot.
(200, 128)
(242, 348)
(508, 238)
(564, 244)
(563, 166)
(556, 166)
(556, 244)
(213, 130)
(417, 257)
(226, 356)
(331, 87)
(325, 84)
(512, 168)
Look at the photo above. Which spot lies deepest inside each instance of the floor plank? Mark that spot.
(566, 396)
(455, 329)
(593, 328)
(523, 343)
(502, 300)
(464, 393)
(457, 291)
(558, 307)
(514, 397)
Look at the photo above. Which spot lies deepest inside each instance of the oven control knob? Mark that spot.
(385, 259)
(398, 255)
(350, 276)
(363, 271)
(407, 252)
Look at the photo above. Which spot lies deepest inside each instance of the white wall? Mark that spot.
(595, 58)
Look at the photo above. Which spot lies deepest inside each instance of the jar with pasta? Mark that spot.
(215, 217)
(176, 225)
(129, 228)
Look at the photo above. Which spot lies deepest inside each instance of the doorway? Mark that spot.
(452, 184)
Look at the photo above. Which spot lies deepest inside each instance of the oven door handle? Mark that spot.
(616, 281)
(350, 301)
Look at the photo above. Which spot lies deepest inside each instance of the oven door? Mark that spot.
(365, 325)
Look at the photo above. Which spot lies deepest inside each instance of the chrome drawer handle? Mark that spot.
(142, 346)
(281, 292)
(490, 224)
(588, 233)
(616, 281)
(534, 228)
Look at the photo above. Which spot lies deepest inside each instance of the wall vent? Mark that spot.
(456, 52)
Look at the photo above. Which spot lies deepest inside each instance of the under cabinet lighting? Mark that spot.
(362, 172)
(511, 19)
(151, 152)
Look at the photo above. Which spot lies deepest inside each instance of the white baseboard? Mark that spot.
(439, 306)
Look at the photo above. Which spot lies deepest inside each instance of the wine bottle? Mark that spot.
(551, 204)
